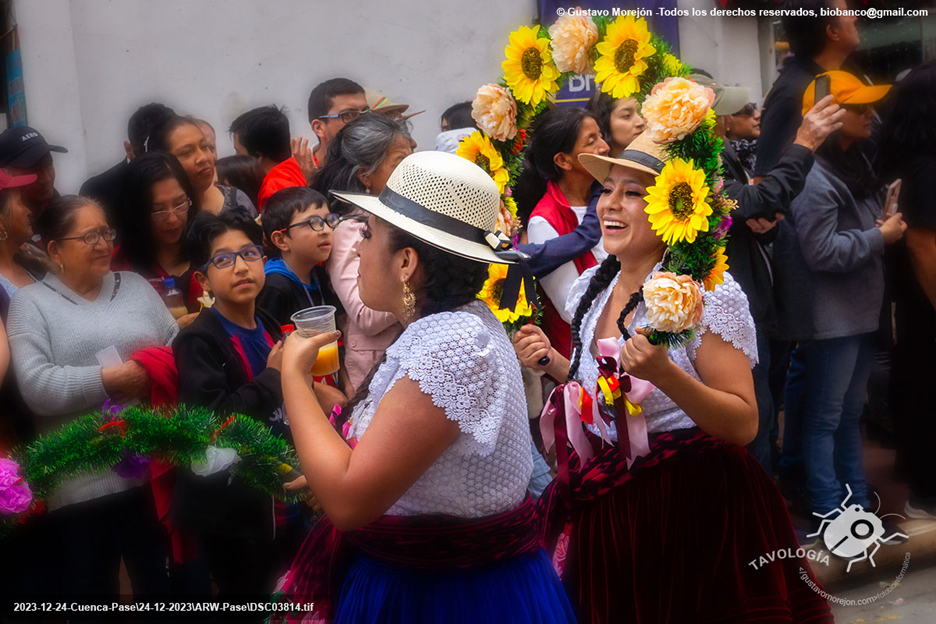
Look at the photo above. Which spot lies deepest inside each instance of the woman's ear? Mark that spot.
(563, 161)
(364, 179)
(52, 251)
(409, 263)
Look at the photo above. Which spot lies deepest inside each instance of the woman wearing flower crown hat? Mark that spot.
(427, 516)
(663, 523)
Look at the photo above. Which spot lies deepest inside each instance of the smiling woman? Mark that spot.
(60, 331)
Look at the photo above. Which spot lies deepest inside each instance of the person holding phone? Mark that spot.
(830, 288)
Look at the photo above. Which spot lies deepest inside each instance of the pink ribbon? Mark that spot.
(566, 398)
(632, 430)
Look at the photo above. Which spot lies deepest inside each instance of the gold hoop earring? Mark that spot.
(3, 235)
(409, 302)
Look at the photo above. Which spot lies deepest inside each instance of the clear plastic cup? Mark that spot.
(312, 322)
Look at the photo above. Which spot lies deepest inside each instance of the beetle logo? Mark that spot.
(850, 532)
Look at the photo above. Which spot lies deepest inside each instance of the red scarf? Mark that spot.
(413, 542)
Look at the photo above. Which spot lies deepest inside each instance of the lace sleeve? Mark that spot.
(452, 357)
(578, 289)
(727, 314)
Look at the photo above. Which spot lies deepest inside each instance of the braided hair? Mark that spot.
(599, 281)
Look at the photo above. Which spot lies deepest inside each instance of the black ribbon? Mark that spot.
(517, 274)
(408, 208)
(642, 159)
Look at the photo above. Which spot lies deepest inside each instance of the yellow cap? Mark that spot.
(845, 89)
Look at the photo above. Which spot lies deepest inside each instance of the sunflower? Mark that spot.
(477, 148)
(676, 202)
(625, 46)
(491, 295)
(717, 276)
(529, 70)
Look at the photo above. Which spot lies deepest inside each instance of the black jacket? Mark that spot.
(212, 374)
(282, 297)
(748, 261)
(107, 188)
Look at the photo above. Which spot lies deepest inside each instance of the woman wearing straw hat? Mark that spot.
(427, 518)
(671, 536)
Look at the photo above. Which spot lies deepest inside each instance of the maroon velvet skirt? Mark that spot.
(672, 539)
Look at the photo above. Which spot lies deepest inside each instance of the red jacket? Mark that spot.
(555, 208)
(284, 175)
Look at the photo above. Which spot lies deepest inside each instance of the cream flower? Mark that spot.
(496, 112)
(674, 302)
(675, 108)
(572, 37)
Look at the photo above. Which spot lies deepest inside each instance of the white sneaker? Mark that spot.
(922, 512)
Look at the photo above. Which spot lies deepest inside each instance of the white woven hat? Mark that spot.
(444, 200)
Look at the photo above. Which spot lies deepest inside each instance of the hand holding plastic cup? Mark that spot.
(312, 322)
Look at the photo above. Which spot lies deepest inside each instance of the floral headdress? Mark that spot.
(685, 205)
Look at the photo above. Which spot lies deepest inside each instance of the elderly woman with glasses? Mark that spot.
(157, 204)
(72, 335)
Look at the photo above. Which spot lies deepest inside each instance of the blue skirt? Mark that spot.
(520, 590)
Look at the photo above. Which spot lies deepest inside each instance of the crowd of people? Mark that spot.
(176, 258)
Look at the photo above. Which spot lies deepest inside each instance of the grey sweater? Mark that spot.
(829, 262)
(54, 338)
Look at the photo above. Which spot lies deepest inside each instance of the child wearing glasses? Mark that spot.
(297, 229)
(229, 361)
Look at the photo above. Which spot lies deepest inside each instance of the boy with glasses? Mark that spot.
(333, 104)
(229, 362)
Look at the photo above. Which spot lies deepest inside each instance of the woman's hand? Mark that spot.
(532, 345)
(644, 360)
(299, 353)
(126, 382)
(893, 228)
(307, 496)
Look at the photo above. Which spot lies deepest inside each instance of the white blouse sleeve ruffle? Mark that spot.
(728, 314)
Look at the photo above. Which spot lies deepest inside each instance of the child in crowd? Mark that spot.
(297, 227)
(229, 360)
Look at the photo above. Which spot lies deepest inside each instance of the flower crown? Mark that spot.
(685, 205)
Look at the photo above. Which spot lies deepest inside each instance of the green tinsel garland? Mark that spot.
(99, 442)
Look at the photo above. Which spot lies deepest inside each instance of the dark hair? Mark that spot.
(450, 283)
(806, 33)
(206, 227)
(282, 207)
(264, 132)
(910, 125)
(556, 131)
(57, 219)
(203, 121)
(358, 147)
(320, 100)
(599, 281)
(144, 121)
(159, 137)
(132, 218)
(459, 116)
(30, 257)
(242, 172)
(600, 106)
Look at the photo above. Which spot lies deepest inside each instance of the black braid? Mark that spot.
(599, 281)
(632, 303)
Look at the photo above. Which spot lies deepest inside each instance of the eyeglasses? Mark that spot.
(91, 238)
(226, 259)
(317, 223)
(177, 210)
(749, 109)
(346, 116)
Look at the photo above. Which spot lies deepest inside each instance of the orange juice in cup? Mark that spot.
(319, 320)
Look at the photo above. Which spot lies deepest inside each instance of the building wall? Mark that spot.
(87, 64)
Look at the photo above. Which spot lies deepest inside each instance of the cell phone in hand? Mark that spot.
(892, 197)
(823, 87)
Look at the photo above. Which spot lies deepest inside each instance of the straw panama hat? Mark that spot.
(643, 154)
(444, 200)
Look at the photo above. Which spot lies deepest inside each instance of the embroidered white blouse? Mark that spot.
(726, 313)
(464, 360)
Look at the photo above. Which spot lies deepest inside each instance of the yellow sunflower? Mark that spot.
(529, 69)
(625, 46)
(491, 295)
(671, 64)
(676, 202)
(477, 148)
(717, 276)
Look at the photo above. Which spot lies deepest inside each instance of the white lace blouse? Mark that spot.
(466, 363)
(726, 313)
